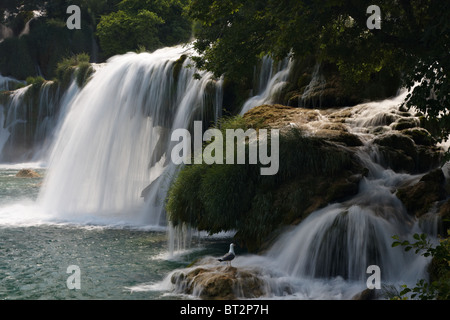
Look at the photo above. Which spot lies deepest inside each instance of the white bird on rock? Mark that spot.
(229, 256)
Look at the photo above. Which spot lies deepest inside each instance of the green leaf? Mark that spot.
(395, 244)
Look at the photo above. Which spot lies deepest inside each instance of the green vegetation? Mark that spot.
(413, 41)
(223, 197)
(148, 24)
(108, 27)
(77, 65)
(438, 287)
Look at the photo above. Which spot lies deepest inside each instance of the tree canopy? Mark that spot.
(143, 23)
(413, 40)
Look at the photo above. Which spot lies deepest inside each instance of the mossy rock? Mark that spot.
(313, 172)
(420, 136)
(217, 282)
(405, 123)
(367, 294)
(397, 142)
(401, 153)
(178, 65)
(27, 173)
(419, 198)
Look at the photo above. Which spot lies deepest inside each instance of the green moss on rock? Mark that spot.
(313, 172)
(419, 198)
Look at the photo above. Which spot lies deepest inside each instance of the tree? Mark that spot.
(120, 31)
(413, 40)
(143, 23)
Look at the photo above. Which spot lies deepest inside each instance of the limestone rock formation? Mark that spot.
(209, 280)
(27, 173)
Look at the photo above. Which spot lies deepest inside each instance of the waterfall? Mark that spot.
(108, 148)
(314, 88)
(115, 142)
(5, 32)
(7, 83)
(268, 85)
(328, 254)
(29, 120)
(341, 240)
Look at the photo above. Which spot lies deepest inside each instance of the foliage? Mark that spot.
(120, 32)
(439, 285)
(413, 40)
(78, 66)
(148, 24)
(131, 26)
(38, 52)
(35, 81)
(15, 58)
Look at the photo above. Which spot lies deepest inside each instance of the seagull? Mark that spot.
(229, 256)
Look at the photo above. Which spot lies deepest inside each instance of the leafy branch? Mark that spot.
(439, 285)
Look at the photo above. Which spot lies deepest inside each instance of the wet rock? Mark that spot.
(400, 153)
(367, 294)
(339, 136)
(209, 281)
(420, 136)
(405, 123)
(27, 173)
(419, 198)
(397, 142)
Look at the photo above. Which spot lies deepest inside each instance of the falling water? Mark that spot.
(115, 140)
(314, 88)
(29, 120)
(327, 255)
(110, 163)
(268, 84)
(343, 239)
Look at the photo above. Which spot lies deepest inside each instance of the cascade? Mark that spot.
(268, 84)
(114, 143)
(317, 84)
(343, 239)
(327, 255)
(28, 121)
(7, 83)
(108, 146)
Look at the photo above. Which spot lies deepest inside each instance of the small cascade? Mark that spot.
(270, 80)
(30, 116)
(312, 95)
(7, 83)
(343, 239)
(5, 32)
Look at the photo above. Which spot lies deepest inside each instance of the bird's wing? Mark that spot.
(227, 257)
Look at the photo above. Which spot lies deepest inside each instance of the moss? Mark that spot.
(405, 123)
(419, 197)
(75, 65)
(83, 73)
(178, 65)
(217, 198)
(420, 136)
